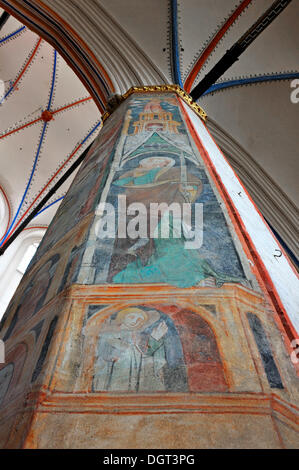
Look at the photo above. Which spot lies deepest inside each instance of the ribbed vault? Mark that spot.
(112, 45)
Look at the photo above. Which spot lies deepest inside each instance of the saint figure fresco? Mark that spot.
(139, 350)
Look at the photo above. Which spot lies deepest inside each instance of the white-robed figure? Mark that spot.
(133, 353)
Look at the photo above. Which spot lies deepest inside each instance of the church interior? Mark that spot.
(149, 218)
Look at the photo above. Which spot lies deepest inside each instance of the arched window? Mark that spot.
(15, 261)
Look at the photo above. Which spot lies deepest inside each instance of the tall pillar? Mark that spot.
(155, 312)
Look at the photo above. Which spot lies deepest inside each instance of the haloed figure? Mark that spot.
(161, 259)
(139, 350)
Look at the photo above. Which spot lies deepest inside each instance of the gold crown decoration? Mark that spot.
(118, 99)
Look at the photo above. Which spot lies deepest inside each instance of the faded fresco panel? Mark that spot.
(157, 349)
(157, 164)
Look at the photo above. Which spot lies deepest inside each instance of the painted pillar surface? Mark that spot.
(124, 335)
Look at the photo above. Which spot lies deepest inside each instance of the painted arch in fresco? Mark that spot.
(157, 349)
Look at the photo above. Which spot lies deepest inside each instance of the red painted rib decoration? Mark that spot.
(47, 115)
(70, 105)
(40, 118)
(212, 45)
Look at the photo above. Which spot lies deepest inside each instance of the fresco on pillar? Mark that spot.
(159, 180)
(31, 300)
(81, 198)
(10, 372)
(151, 348)
(47, 278)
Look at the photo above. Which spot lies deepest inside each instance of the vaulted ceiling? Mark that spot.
(113, 44)
(34, 151)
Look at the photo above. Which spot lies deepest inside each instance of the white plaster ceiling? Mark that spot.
(25, 103)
